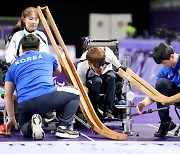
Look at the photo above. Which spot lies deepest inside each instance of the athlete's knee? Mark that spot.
(161, 83)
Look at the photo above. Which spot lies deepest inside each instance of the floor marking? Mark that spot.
(87, 137)
(171, 132)
(152, 126)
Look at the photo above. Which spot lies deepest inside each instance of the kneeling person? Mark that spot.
(32, 77)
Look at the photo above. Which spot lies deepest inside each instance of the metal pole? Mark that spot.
(128, 120)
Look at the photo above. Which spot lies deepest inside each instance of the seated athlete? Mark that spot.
(95, 69)
(32, 76)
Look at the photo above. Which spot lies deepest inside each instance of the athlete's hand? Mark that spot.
(10, 125)
(139, 107)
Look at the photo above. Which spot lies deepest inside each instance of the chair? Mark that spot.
(113, 45)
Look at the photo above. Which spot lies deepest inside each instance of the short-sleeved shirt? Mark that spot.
(172, 74)
(32, 74)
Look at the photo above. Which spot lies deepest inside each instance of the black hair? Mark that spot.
(162, 52)
(30, 42)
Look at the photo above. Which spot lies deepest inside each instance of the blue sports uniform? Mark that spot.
(32, 74)
(172, 74)
(168, 84)
(37, 75)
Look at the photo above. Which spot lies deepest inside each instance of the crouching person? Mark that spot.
(31, 75)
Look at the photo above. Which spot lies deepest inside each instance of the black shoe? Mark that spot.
(108, 115)
(66, 133)
(164, 128)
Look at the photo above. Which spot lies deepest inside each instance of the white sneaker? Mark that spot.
(36, 125)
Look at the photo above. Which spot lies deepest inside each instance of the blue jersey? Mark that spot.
(172, 74)
(32, 73)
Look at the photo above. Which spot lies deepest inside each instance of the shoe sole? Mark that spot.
(45, 120)
(65, 135)
(36, 125)
(161, 135)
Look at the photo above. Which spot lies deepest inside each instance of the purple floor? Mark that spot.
(140, 138)
(139, 132)
(145, 125)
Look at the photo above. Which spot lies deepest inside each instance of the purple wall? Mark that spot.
(168, 17)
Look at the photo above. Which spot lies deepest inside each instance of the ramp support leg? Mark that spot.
(128, 121)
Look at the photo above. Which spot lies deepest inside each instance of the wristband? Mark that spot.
(11, 118)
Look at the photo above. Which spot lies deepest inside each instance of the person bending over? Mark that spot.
(168, 84)
(95, 69)
(32, 76)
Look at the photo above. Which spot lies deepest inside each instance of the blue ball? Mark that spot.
(122, 102)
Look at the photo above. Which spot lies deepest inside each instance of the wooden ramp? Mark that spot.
(73, 78)
(146, 88)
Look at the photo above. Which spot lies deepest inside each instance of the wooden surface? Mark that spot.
(73, 78)
(146, 88)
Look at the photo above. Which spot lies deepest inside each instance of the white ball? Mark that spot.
(130, 95)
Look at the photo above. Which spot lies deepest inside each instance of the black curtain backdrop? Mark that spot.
(72, 17)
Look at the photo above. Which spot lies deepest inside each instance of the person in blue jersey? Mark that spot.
(95, 69)
(27, 24)
(168, 84)
(32, 76)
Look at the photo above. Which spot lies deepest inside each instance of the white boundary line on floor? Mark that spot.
(87, 137)
(171, 132)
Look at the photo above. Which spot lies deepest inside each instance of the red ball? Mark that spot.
(2, 129)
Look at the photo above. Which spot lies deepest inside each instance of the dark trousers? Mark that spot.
(64, 102)
(167, 88)
(102, 84)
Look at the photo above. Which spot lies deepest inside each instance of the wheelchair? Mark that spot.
(119, 114)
